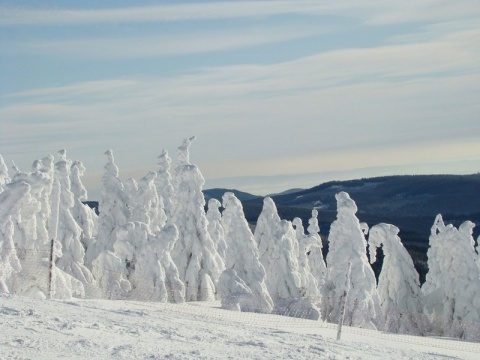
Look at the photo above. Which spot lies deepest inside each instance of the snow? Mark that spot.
(105, 329)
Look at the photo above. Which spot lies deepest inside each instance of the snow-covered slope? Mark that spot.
(103, 329)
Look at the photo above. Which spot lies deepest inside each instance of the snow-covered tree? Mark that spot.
(32, 224)
(4, 179)
(315, 257)
(401, 299)
(10, 202)
(164, 185)
(110, 274)
(278, 253)
(266, 228)
(113, 210)
(194, 253)
(215, 228)
(452, 286)
(144, 203)
(347, 244)
(9, 263)
(242, 257)
(83, 214)
(306, 244)
(68, 231)
(152, 275)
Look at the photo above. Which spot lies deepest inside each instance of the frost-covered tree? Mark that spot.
(242, 257)
(150, 270)
(164, 186)
(306, 244)
(215, 228)
(10, 202)
(144, 203)
(110, 274)
(315, 258)
(142, 252)
(4, 179)
(266, 228)
(401, 299)
(452, 286)
(35, 227)
(9, 263)
(68, 231)
(32, 224)
(278, 253)
(347, 244)
(83, 214)
(113, 208)
(195, 254)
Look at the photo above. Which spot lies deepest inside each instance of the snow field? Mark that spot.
(103, 329)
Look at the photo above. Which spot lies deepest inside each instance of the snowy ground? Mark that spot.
(102, 329)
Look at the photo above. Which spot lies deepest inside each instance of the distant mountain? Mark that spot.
(287, 192)
(218, 193)
(409, 202)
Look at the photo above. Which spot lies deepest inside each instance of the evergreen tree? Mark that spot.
(347, 245)
(195, 254)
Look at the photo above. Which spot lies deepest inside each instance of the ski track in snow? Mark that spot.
(102, 329)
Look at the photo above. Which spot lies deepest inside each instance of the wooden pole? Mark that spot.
(344, 302)
(50, 282)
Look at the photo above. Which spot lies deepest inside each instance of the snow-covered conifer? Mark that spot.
(309, 285)
(398, 285)
(85, 216)
(194, 253)
(452, 286)
(267, 226)
(278, 253)
(110, 274)
(347, 244)
(315, 258)
(143, 253)
(144, 202)
(164, 185)
(215, 228)
(4, 179)
(113, 210)
(10, 202)
(68, 231)
(9, 263)
(242, 257)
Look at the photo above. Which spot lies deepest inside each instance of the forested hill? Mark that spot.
(409, 202)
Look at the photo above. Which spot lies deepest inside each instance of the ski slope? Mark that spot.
(104, 329)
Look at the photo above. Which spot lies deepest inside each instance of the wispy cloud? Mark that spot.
(159, 13)
(376, 12)
(182, 43)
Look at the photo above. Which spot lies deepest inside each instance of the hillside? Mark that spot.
(410, 202)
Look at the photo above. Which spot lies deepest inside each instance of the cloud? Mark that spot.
(374, 12)
(159, 13)
(167, 44)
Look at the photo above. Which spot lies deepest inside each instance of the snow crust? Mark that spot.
(103, 329)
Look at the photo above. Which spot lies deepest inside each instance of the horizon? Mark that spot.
(273, 90)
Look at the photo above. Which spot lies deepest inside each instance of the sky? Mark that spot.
(280, 94)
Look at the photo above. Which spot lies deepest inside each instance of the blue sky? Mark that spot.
(280, 94)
